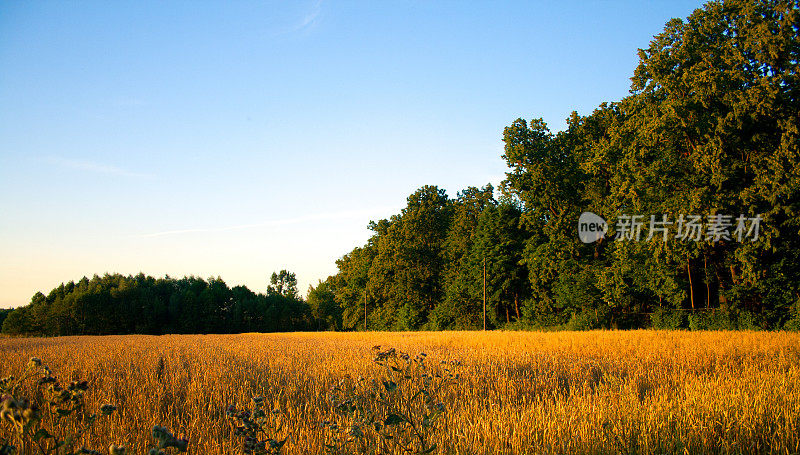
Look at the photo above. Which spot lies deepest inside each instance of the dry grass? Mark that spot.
(564, 392)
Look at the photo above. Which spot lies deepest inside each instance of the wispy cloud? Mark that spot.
(92, 166)
(350, 214)
(309, 20)
(312, 17)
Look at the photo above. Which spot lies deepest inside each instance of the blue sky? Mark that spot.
(241, 138)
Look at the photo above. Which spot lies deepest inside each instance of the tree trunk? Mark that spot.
(516, 304)
(734, 278)
(720, 288)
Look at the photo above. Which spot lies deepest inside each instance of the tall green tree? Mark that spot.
(283, 283)
(711, 128)
(351, 282)
(498, 250)
(324, 308)
(409, 264)
(460, 309)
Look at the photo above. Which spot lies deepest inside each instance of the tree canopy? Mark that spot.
(709, 130)
(117, 304)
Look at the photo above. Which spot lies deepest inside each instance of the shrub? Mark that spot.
(721, 318)
(257, 426)
(668, 319)
(398, 413)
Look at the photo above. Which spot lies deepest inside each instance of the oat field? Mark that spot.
(516, 392)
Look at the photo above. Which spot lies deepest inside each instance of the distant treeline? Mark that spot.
(117, 304)
(710, 130)
(3, 313)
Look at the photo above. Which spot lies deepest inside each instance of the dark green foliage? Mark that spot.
(710, 128)
(724, 318)
(423, 268)
(283, 284)
(256, 426)
(166, 441)
(326, 311)
(117, 304)
(4, 312)
(665, 318)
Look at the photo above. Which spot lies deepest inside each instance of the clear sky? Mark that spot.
(240, 138)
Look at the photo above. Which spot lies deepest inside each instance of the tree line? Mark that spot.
(118, 304)
(709, 132)
(705, 150)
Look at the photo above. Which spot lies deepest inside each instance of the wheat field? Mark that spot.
(516, 392)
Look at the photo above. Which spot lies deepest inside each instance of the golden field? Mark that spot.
(518, 392)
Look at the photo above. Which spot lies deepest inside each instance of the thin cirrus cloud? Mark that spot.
(310, 20)
(349, 214)
(94, 167)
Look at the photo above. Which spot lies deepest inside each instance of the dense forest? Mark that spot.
(707, 142)
(709, 130)
(117, 304)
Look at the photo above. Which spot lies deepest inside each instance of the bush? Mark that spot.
(794, 321)
(588, 319)
(723, 318)
(257, 426)
(747, 321)
(668, 319)
(398, 413)
(792, 324)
